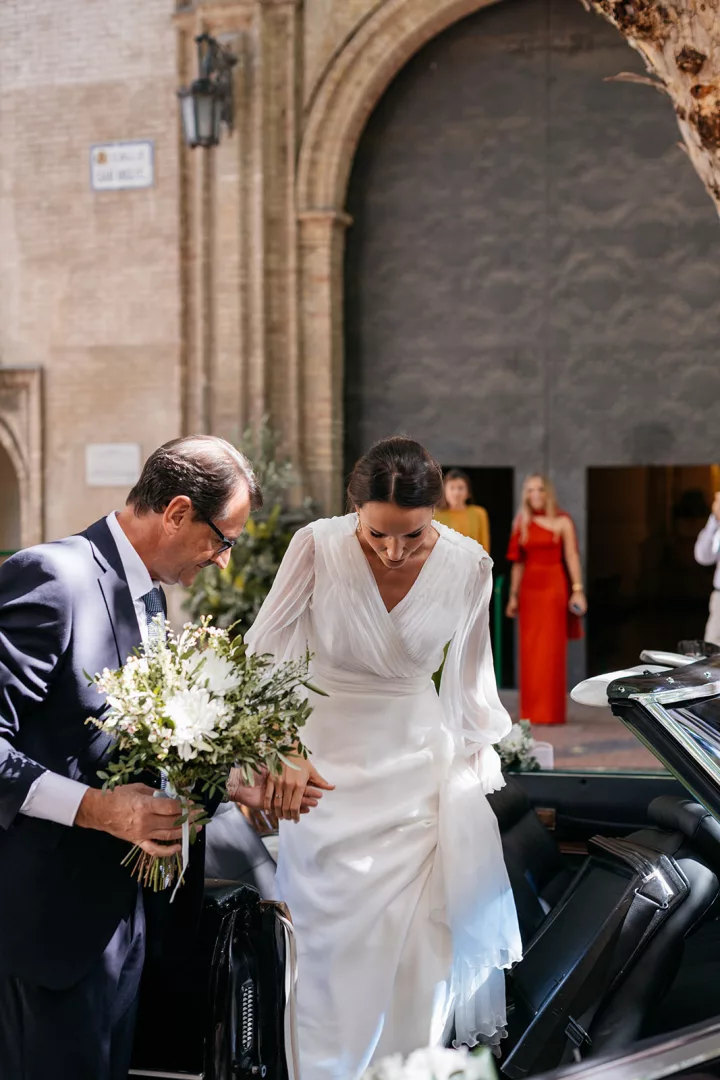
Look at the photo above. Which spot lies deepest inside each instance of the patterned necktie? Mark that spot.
(154, 606)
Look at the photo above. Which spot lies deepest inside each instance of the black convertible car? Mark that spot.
(616, 878)
(617, 884)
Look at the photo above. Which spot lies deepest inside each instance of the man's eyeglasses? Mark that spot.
(226, 544)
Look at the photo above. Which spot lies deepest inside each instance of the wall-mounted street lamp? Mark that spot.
(208, 103)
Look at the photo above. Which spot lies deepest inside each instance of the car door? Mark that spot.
(691, 1054)
(578, 805)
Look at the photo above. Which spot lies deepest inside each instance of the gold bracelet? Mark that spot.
(577, 588)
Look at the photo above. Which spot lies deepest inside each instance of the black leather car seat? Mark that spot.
(536, 868)
(693, 820)
(685, 830)
(612, 1014)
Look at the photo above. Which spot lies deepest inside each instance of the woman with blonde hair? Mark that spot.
(546, 593)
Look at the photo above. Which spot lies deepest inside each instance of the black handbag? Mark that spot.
(223, 1008)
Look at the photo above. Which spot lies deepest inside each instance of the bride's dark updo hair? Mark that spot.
(399, 471)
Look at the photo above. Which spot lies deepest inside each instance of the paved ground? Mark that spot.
(591, 739)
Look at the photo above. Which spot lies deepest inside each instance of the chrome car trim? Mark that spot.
(667, 659)
(652, 704)
(665, 1057)
(675, 695)
(152, 1074)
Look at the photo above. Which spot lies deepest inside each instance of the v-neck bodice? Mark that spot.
(326, 597)
(353, 629)
(418, 579)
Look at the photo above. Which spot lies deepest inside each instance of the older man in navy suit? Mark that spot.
(72, 926)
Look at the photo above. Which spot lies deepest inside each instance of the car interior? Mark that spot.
(616, 880)
(572, 907)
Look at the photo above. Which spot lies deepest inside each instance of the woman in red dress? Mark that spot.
(547, 595)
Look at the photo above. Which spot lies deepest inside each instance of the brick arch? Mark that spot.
(13, 472)
(21, 440)
(347, 94)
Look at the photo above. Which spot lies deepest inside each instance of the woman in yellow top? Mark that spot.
(459, 512)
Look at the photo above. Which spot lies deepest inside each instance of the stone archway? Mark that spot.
(10, 522)
(21, 448)
(346, 96)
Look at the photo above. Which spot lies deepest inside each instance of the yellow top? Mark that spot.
(472, 521)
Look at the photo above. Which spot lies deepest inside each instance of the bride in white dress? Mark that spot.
(396, 882)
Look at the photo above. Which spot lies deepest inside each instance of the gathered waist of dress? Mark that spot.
(545, 557)
(342, 681)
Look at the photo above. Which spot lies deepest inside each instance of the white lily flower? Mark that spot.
(196, 718)
(216, 672)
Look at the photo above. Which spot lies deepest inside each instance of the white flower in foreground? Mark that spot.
(196, 718)
(217, 673)
(435, 1063)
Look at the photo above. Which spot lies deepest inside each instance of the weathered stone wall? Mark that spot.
(89, 281)
(531, 275)
(567, 239)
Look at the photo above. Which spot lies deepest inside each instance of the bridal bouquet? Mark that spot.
(435, 1063)
(190, 708)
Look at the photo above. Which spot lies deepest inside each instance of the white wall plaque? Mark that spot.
(112, 464)
(119, 165)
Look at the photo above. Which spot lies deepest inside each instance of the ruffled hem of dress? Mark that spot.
(480, 1039)
(479, 1000)
(494, 783)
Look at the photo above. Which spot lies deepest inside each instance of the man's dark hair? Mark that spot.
(204, 468)
(397, 470)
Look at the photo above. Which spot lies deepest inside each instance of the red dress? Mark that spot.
(543, 615)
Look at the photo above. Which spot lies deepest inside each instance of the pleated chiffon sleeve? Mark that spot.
(283, 627)
(468, 690)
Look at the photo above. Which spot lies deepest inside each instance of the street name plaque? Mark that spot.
(112, 464)
(122, 165)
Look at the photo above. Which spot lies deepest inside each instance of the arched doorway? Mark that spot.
(10, 526)
(528, 275)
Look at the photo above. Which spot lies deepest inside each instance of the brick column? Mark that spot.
(240, 327)
(280, 47)
(322, 243)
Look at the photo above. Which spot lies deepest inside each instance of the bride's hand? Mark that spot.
(284, 794)
(251, 797)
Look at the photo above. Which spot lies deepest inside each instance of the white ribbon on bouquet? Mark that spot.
(167, 791)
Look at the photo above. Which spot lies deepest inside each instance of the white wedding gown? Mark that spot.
(396, 882)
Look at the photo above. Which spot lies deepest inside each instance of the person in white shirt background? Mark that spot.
(707, 553)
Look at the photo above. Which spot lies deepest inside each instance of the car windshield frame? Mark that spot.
(651, 714)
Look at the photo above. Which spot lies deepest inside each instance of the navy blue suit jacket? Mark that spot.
(65, 609)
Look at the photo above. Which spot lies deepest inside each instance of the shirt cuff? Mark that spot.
(54, 798)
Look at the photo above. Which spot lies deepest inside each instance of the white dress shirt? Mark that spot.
(707, 548)
(57, 797)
